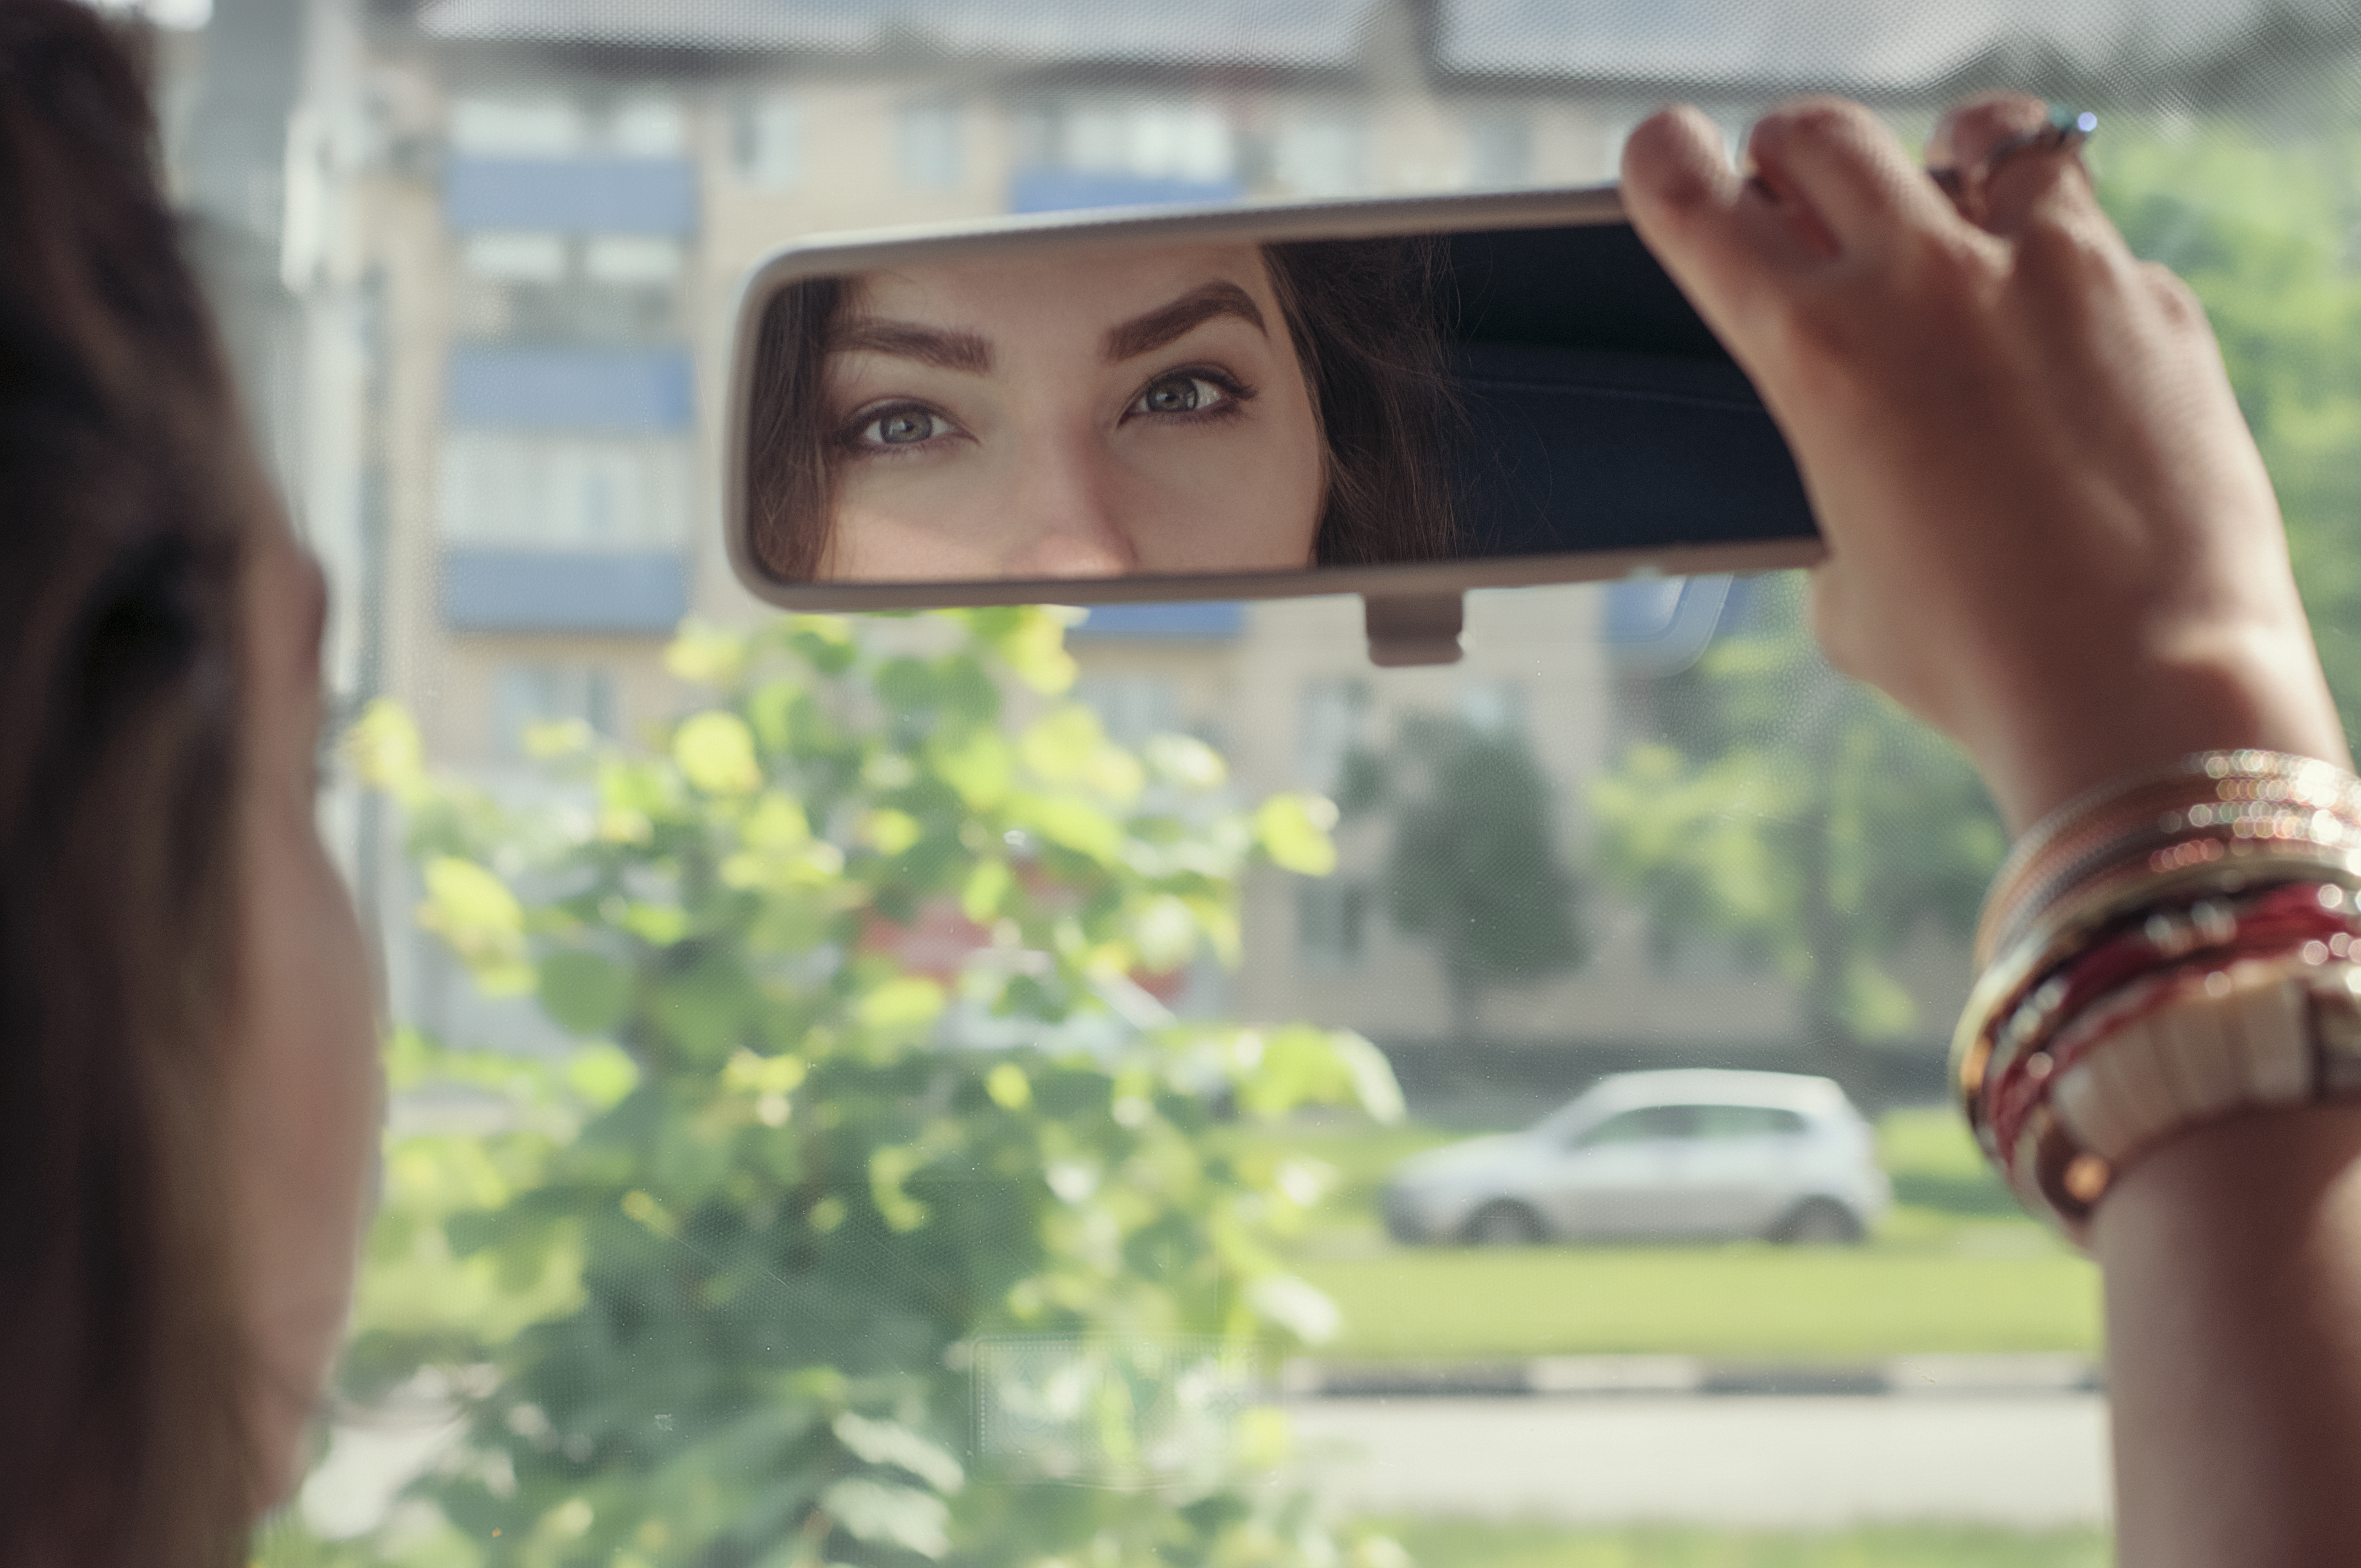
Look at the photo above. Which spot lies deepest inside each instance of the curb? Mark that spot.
(1595, 1376)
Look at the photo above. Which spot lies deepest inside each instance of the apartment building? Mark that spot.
(514, 229)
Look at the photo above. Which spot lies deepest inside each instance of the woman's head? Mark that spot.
(170, 1240)
(1198, 408)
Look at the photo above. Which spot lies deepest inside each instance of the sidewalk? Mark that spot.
(2017, 1461)
(1692, 1376)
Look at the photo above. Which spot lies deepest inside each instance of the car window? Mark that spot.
(1647, 1123)
(1744, 1122)
(887, 1089)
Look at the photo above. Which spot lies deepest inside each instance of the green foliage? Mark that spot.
(2260, 222)
(1804, 822)
(714, 1288)
(1474, 868)
(1812, 828)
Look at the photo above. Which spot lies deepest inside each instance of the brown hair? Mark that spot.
(122, 521)
(1361, 315)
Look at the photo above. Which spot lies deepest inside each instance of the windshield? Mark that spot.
(881, 1090)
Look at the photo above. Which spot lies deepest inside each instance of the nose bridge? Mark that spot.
(1066, 519)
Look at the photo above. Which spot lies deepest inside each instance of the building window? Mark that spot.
(1325, 155)
(1331, 920)
(927, 145)
(554, 492)
(552, 126)
(1336, 715)
(1131, 709)
(1499, 148)
(535, 127)
(542, 287)
(769, 142)
(647, 127)
(634, 260)
(525, 697)
(515, 257)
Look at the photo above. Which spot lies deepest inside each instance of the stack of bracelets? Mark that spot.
(2164, 951)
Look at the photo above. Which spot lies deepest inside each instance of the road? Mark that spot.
(2026, 1461)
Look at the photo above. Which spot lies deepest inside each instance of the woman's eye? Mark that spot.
(903, 427)
(1180, 395)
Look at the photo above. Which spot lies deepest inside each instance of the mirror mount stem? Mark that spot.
(1413, 629)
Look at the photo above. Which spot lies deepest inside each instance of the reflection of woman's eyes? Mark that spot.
(1185, 392)
(897, 429)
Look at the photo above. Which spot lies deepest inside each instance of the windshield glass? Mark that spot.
(880, 1090)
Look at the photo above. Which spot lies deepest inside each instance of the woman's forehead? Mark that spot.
(1081, 287)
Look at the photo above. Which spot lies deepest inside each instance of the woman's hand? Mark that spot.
(2049, 533)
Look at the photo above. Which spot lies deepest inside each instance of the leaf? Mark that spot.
(905, 1004)
(891, 1516)
(988, 886)
(1185, 760)
(1058, 747)
(643, 1208)
(1009, 1088)
(584, 992)
(474, 912)
(1375, 1088)
(980, 769)
(1034, 646)
(602, 1074)
(715, 752)
(751, 1074)
(384, 749)
(1294, 830)
(1297, 1306)
(886, 1442)
(891, 832)
(706, 655)
(889, 1167)
(1076, 826)
(778, 822)
(1164, 930)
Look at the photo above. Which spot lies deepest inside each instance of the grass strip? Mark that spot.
(1734, 1301)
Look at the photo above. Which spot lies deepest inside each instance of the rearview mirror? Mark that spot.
(1402, 399)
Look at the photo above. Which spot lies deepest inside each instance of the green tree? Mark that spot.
(1811, 824)
(2263, 223)
(751, 1268)
(1474, 868)
(1801, 820)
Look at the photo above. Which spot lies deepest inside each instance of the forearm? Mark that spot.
(2231, 1258)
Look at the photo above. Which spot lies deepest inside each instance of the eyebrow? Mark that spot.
(904, 340)
(1166, 324)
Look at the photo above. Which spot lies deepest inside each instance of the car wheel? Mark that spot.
(1504, 1223)
(1819, 1221)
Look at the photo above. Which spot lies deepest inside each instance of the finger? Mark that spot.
(1839, 160)
(1725, 248)
(2008, 177)
(1970, 130)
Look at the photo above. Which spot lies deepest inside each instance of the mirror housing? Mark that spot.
(1606, 432)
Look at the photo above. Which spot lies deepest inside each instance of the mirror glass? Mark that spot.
(1079, 407)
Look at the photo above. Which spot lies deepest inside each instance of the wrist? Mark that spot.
(2064, 733)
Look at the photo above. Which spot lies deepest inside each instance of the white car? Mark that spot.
(1656, 1155)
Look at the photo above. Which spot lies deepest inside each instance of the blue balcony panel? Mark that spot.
(1213, 620)
(621, 390)
(571, 195)
(1046, 190)
(560, 590)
